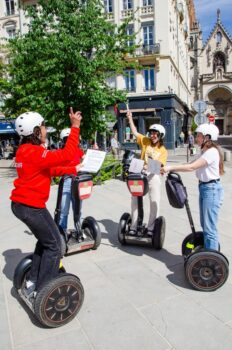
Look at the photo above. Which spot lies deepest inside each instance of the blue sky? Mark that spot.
(206, 12)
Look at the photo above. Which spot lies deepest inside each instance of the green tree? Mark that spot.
(63, 60)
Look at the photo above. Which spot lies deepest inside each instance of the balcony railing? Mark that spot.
(127, 13)
(148, 50)
(145, 10)
(110, 15)
(130, 89)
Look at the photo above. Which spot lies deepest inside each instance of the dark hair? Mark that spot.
(210, 144)
(34, 138)
(160, 142)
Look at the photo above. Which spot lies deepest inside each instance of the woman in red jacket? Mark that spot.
(34, 166)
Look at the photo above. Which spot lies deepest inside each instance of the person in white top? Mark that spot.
(114, 146)
(209, 167)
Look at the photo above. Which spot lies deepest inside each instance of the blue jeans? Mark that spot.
(47, 254)
(65, 203)
(210, 200)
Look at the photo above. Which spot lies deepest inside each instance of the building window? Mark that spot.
(130, 79)
(219, 37)
(127, 133)
(111, 82)
(149, 78)
(127, 4)
(10, 28)
(130, 32)
(11, 32)
(10, 7)
(148, 35)
(147, 2)
(219, 61)
(191, 42)
(108, 6)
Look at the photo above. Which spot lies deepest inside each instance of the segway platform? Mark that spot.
(84, 236)
(73, 245)
(138, 187)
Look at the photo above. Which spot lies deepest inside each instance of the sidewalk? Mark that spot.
(134, 297)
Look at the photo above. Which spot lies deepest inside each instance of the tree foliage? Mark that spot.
(63, 60)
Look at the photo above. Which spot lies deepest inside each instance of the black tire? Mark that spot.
(21, 271)
(207, 270)
(198, 243)
(123, 227)
(59, 301)
(92, 229)
(159, 233)
(63, 247)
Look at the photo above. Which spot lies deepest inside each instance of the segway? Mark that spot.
(57, 302)
(138, 187)
(86, 235)
(206, 270)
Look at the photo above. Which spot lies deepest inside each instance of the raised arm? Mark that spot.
(131, 122)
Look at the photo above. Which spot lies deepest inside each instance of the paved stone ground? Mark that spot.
(134, 297)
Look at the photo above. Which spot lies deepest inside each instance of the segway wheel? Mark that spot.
(123, 227)
(22, 269)
(159, 233)
(63, 245)
(192, 243)
(59, 301)
(207, 270)
(92, 229)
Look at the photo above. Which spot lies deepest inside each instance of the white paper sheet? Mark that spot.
(93, 161)
(136, 165)
(153, 166)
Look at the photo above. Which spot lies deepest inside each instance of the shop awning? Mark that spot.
(7, 128)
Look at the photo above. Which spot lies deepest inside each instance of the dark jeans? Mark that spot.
(47, 254)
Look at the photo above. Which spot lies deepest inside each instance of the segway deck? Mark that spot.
(75, 246)
(138, 240)
(26, 300)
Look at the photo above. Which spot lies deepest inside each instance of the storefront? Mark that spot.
(8, 138)
(167, 110)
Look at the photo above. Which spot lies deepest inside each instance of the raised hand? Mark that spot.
(129, 114)
(75, 118)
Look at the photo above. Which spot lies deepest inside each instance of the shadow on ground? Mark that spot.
(173, 262)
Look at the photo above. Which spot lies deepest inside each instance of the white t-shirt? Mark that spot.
(211, 170)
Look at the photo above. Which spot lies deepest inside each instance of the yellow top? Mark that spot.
(149, 150)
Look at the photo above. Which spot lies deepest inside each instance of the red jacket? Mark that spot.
(68, 168)
(34, 164)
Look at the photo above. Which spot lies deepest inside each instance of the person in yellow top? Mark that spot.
(151, 147)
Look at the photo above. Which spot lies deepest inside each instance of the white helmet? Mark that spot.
(26, 122)
(65, 133)
(208, 129)
(159, 128)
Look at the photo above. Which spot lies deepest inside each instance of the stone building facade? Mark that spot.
(212, 73)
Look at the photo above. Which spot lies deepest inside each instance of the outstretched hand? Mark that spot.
(165, 169)
(75, 118)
